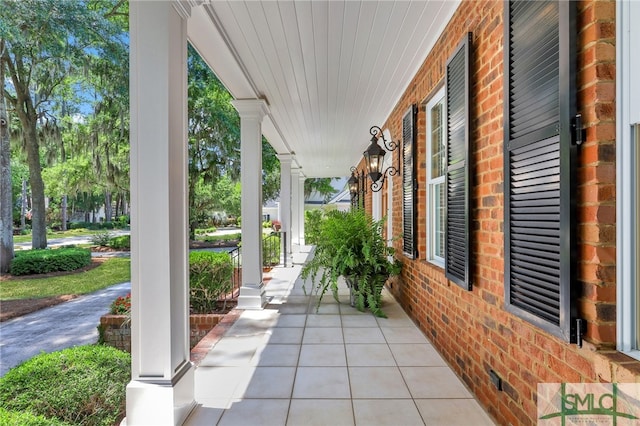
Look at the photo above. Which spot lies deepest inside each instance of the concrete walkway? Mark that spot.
(51, 329)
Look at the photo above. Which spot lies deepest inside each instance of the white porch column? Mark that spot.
(161, 391)
(252, 111)
(295, 205)
(302, 178)
(285, 205)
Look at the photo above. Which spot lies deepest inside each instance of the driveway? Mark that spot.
(51, 329)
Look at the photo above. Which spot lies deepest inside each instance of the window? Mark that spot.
(540, 164)
(409, 186)
(458, 168)
(436, 171)
(628, 179)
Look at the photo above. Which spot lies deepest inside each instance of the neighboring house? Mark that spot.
(341, 201)
(517, 193)
(316, 200)
(271, 210)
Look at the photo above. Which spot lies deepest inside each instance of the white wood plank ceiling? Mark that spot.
(329, 70)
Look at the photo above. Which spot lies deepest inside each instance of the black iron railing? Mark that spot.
(271, 249)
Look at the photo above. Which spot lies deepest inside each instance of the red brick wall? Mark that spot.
(471, 329)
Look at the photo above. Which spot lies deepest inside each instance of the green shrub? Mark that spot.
(121, 222)
(84, 385)
(312, 225)
(79, 225)
(209, 278)
(23, 418)
(224, 237)
(101, 239)
(202, 231)
(49, 260)
(122, 242)
(97, 225)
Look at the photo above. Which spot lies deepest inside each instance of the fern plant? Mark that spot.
(351, 245)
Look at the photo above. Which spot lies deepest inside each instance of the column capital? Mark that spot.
(286, 158)
(251, 108)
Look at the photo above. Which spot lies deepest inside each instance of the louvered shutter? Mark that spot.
(409, 186)
(457, 241)
(540, 161)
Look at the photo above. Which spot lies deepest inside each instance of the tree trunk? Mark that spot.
(125, 205)
(28, 118)
(64, 213)
(117, 212)
(23, 206)
(6, 196)
(107, 206)
(38, 209)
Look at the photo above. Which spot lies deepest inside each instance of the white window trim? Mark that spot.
(628, 119)
(438, 97)
(389, 214)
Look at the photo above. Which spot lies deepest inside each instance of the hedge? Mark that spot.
(83, 385)
(209, 278)
(122, 242)
(40, 261)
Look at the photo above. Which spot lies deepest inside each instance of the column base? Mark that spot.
(161, 402)
(252, 296)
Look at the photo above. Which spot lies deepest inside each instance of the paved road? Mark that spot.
(58, 327)
(83, 239)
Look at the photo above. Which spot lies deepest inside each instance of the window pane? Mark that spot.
(438, 216)
(437, 142)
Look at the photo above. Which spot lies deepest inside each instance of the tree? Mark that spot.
(321, 186)
(6, 196)
(214, 147)
(214, 132)
(47, 42)
(270, 172)
(228, 196)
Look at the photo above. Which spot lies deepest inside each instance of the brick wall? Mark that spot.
(471, 329)
(115, 329)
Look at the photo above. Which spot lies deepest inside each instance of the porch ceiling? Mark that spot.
(329, 70)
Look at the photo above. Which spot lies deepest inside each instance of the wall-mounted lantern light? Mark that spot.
(354, 184)
(357, 187)
(374, 159)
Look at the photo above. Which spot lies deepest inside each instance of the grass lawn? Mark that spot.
(112, 271)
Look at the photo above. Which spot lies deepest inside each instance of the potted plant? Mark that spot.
(351, 245)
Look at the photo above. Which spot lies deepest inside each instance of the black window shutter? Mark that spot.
(409, 185)
(457, 241)
(540, 161)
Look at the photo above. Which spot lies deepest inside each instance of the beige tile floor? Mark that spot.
(293, 364)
